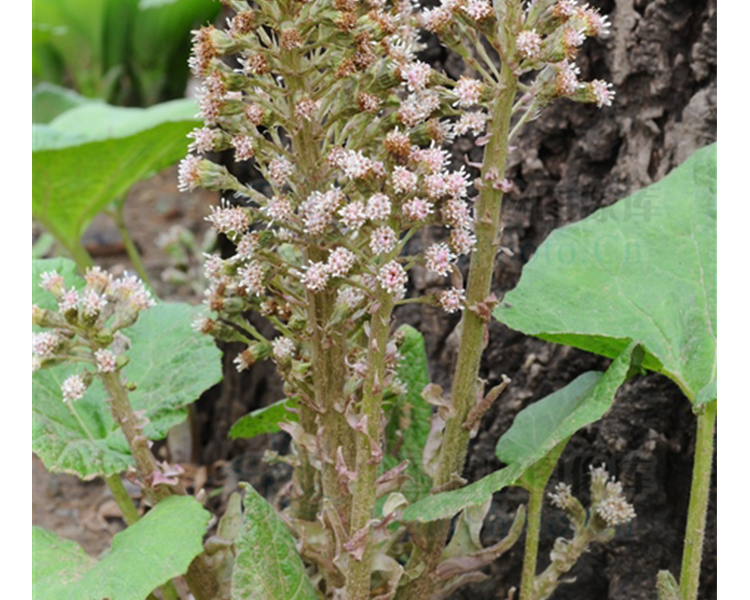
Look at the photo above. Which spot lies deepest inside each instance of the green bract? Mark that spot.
(266, 419)
(548, 422)
(91, 155)
(158, 547)
(409, 415)
(267, 566)
(643, 269)
(170, 364)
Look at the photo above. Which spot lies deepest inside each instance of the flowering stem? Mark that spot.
(547, 582)
(363, 503)
(122, 412)
(533, 525)
(328, 364)
(699, 492)
(464, 392)
(488, 230)
(200, 578)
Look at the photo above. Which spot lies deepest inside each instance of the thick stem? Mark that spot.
(123, 413)
(121, 496)
(328, 346)
(473, 326)
(363, 503)
(533, 525)
(699, 493)
(488, 232)
(200, 578)
(328, 364)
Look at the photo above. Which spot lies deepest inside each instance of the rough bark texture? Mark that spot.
(661, 56)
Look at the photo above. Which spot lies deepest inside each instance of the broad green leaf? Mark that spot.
(409, 415)
(266, 419)
(55, 562)
(643, 269)
(536, 423)
(91, 155)
(548, 426)
(170, 364)
(157, 548)
(49, 101)
(267, 566)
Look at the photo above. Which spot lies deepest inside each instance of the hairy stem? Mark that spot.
(363, 503)
(200, 578)
(699, 492)
(473, 326)
(545, 584)
(488, 232)
(531, 549)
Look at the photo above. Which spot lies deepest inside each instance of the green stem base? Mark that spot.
(699, 493)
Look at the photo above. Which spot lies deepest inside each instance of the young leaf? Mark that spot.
(667, 587)
(588, 398)
(144, 556)
(170, 364)
(267, 566)
(91, 155)
(409, 415)
(642, 269)
(265, 420)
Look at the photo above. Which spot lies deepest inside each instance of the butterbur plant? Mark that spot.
(329, 102)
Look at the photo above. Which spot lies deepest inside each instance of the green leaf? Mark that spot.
(267, 566)
(266, 419)
(409, 416)
(91, 155)
(49, 101)
(537, 431)
(55, 562)
(144, 556)
(170, 364)
(667, 587)
(643, 269)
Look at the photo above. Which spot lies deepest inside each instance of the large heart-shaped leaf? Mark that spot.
(642, 269)
(170, 364)
(409, 415)
(92, 154)
(267, 566)
(537, 431)
(144, 556)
